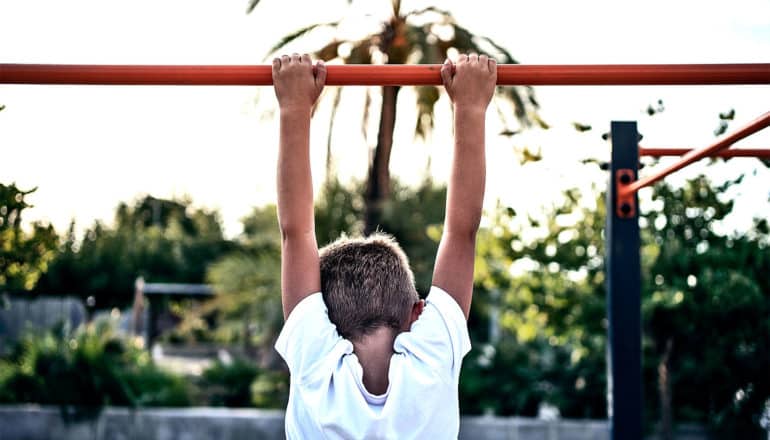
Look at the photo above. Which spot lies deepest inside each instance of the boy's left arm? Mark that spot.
(297, 86)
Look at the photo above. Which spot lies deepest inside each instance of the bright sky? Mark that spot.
(88, 148)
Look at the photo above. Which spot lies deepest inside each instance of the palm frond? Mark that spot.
(519, 109)
(544, 125)
(506, 55)
(433, 9)
(297, 34)
(463, 40)
(365, 116)
(430, 53)
(335, 105)
(252, 4)
(361, 53)
(328, 52)
(426, 103)
(581, 127)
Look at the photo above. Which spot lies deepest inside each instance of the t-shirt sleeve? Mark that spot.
(307, 337)
(439, 337)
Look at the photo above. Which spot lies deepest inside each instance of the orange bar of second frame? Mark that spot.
(695, 155)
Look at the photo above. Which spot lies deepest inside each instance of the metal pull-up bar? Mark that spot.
(390, 74)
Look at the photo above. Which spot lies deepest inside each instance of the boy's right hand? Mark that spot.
(471, 82)
(297, 82)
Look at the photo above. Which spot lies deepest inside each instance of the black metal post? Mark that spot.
(624, 375)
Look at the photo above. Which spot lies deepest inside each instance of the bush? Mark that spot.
(241, 383)
(90, 368)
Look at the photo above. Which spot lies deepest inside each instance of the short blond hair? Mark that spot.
(366, 284)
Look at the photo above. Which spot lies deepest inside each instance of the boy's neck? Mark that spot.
(374, 351)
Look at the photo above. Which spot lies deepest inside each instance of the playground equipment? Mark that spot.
(622, 260)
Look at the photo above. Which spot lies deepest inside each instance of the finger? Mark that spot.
(295, 58)
(306, 59)
(320, 73)
(473, 58)
(276, 65)
(484, 61)
(285, 60)
(447, 71)
(492, 63)
(462, 59)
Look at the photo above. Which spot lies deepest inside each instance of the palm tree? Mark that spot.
(423, 36)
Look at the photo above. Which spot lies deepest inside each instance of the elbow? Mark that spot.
(290, 231)
(464, 232)
(463, 226)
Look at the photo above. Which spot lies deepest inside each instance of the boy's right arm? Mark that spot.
(470, 85)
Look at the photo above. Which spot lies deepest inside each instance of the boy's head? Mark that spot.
(367, 284)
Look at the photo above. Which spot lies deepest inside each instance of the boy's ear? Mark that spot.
(417, 309)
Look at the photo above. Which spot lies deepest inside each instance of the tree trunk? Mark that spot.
(378, 180)
(664, 391)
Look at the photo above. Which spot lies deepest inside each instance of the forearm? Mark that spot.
(295, 186)
(465, 193)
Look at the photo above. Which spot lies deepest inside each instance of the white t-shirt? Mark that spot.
(327, 397)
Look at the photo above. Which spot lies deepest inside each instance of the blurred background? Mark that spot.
(139, 247)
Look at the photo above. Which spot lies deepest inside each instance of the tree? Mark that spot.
(705, 302)
(160, 240)
(24, 255)
(424, 36)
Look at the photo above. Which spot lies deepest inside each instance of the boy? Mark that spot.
(367, 357)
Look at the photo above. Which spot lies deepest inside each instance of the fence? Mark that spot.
(38, 423)
(19, 314)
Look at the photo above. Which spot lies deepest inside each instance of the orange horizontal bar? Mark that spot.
(735, 152)
(360, 74)
(695, 155)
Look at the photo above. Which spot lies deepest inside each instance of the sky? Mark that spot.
(88, 148)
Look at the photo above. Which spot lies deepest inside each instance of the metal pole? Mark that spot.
(389, 75)
(624, 378)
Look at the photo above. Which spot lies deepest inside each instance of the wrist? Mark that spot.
(295, 110)
(465, 111)
(470, 109)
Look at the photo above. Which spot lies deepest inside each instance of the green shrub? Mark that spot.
(270, 390)
(90, 368)
(241, 384)
(228, 384)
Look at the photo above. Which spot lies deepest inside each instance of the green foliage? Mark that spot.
(542, 281)
(229, 384)
(539, 286)
(246, 282)
(160, 240)
(709, 295)
(24, 255)
(240, 383)
(270, 390)
(90, 368)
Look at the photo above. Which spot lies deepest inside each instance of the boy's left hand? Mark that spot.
(297, 82)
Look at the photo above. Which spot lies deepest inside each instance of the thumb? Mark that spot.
(447, 72)
(320, 73)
